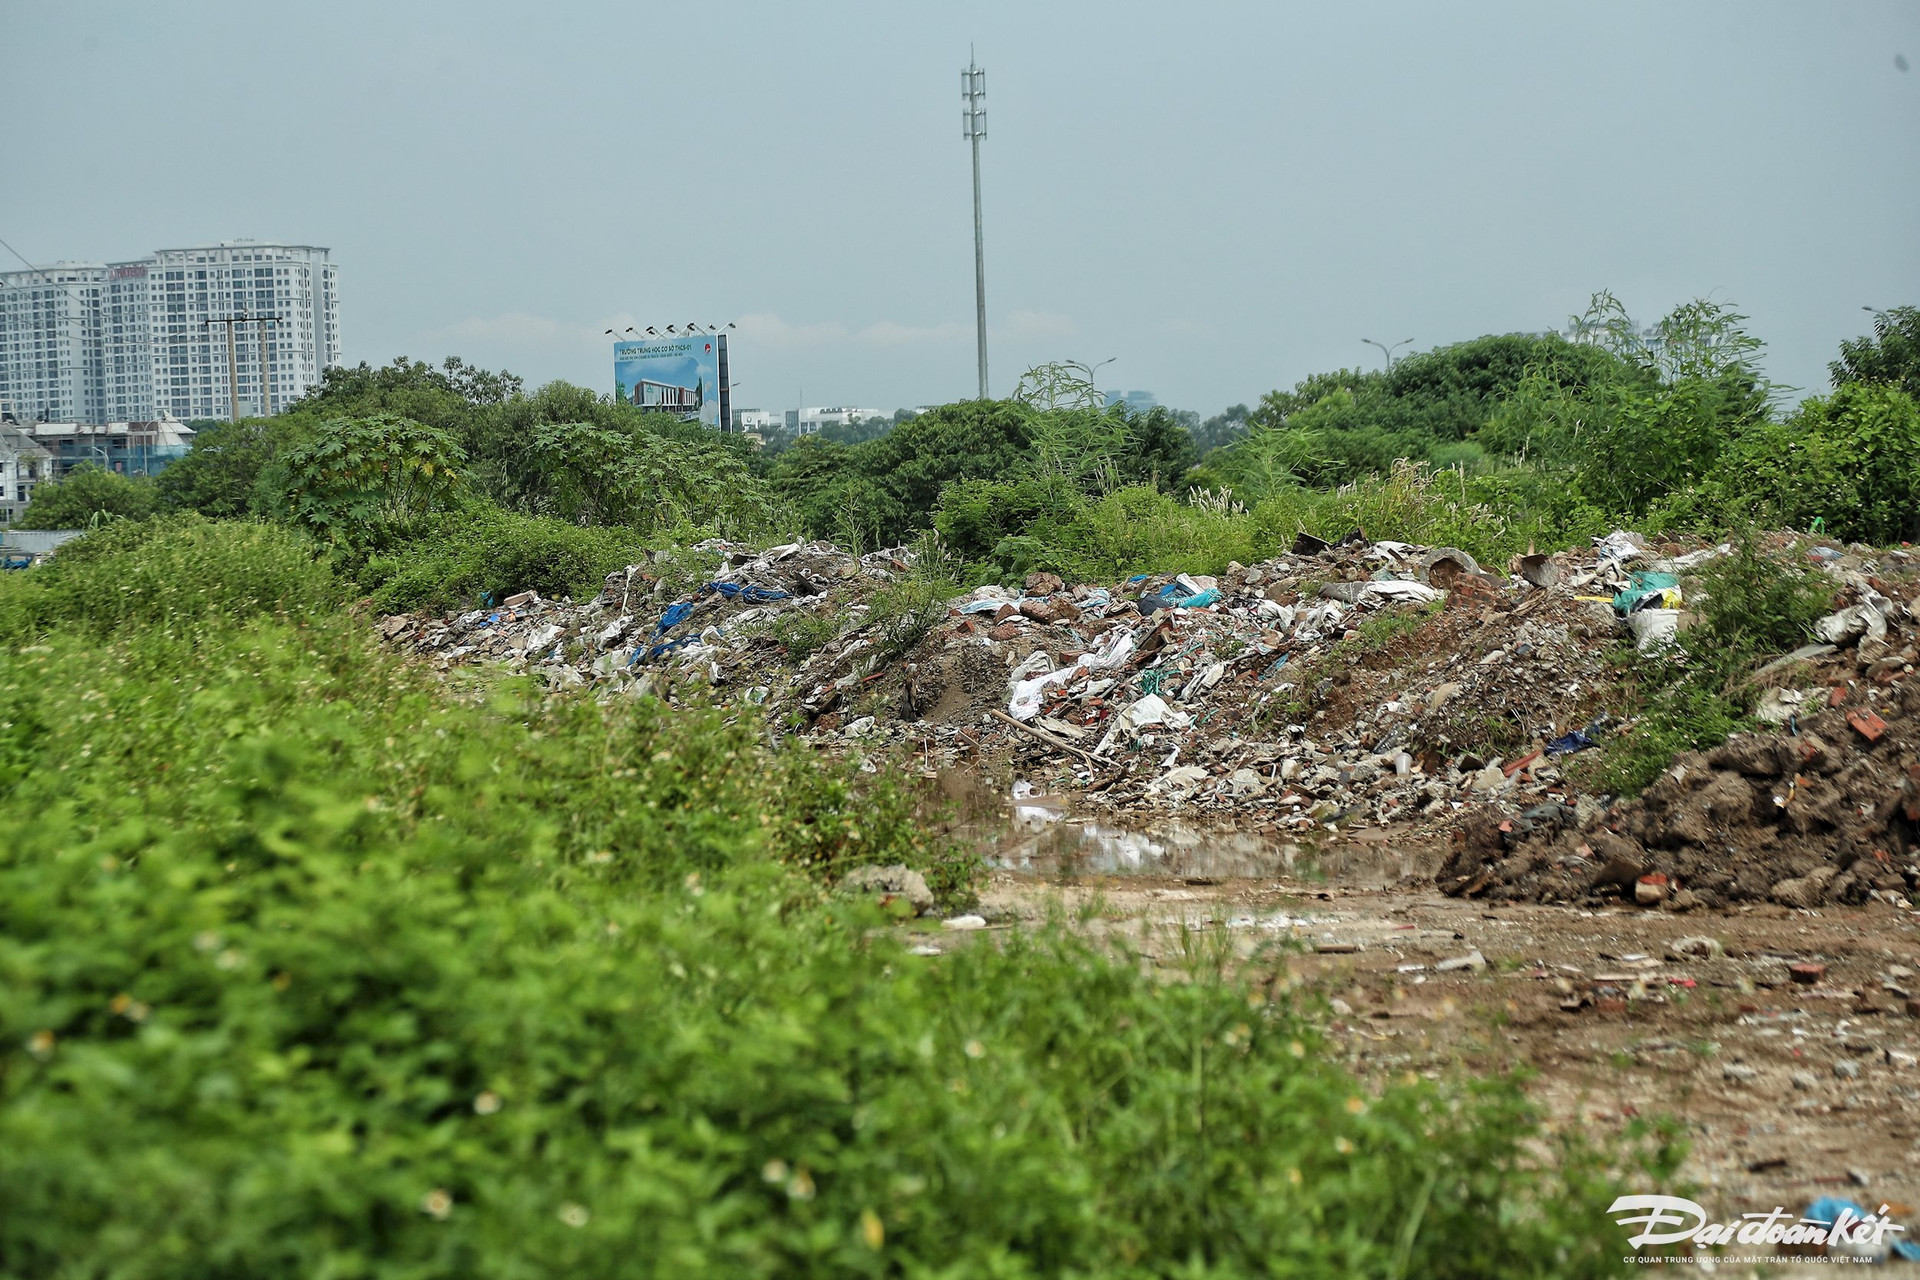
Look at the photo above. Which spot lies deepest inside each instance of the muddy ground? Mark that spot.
(1788, 1089)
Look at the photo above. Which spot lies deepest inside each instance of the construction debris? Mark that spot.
(1338, 687)
(1822, 807)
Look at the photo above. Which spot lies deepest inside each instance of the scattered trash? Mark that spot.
(1696, 948)
(1473, 961)
(1568, 743)
(1648, 590)
(1261, 696)
(1653, 628)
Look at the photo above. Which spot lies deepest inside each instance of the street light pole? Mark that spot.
(973, 127)
(1387, 351)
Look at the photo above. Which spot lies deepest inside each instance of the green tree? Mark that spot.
(1221, 429)
(594, 475)
(358, 476)
(443, 397)
(1433, 406)
(221, 474)
(87, 496)
(506, 464)
(810, 477)
(1851, 460)
(1891, 355)
(917, 459)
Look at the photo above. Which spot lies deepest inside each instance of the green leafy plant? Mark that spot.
(86, 497)
(1851, 459)
(373, 471)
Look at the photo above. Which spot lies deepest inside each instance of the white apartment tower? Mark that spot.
(148, 339)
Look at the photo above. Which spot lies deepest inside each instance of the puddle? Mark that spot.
(1039, 837)
(1027, 831)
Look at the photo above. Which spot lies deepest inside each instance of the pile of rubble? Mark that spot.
(1343, 684)
(636, 637)
(1822, 808)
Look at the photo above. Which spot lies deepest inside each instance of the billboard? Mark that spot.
(686, 375)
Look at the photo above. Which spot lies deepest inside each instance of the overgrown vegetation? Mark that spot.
(306, 968)
(1494, 445)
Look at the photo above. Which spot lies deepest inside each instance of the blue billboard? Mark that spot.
(683, 375)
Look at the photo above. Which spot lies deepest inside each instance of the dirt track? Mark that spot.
(1788, 1091)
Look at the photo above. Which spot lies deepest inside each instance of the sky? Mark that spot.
(1221, 198)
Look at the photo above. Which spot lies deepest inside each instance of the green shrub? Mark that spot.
(359, 476)
(88, 495)
(1851, 459)
(483, 551)
(1752, 603)
(230, 472)
(173, 572)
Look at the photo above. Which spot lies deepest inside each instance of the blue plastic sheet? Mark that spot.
(1567, 743)
(1827, 1209)
(1165, 598)
(673, 617)
(746, 591)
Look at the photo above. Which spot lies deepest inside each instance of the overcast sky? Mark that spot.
(1225, 197)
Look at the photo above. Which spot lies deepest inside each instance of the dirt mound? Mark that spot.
(1826, 810)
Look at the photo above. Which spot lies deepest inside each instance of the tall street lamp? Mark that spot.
(1386, 350)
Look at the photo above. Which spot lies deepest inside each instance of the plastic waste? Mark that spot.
(1149, 710)
(1620, 546)
(1400, 591)
(1653, 628)
(1029, 694)
(1828, 1210)
(1567, 743)
(1647, 589)
(1860, 620)
(1164, 598)
(673, 617)
(1182, 593)
(1031, 678)
(746, 591)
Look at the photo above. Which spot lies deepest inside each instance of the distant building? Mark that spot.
(23, 463)
(809, 421)
(759, 419)
(131, 448)
(1138, 401)
(132, 341)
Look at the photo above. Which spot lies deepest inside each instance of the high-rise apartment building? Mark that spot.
(149, 339)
